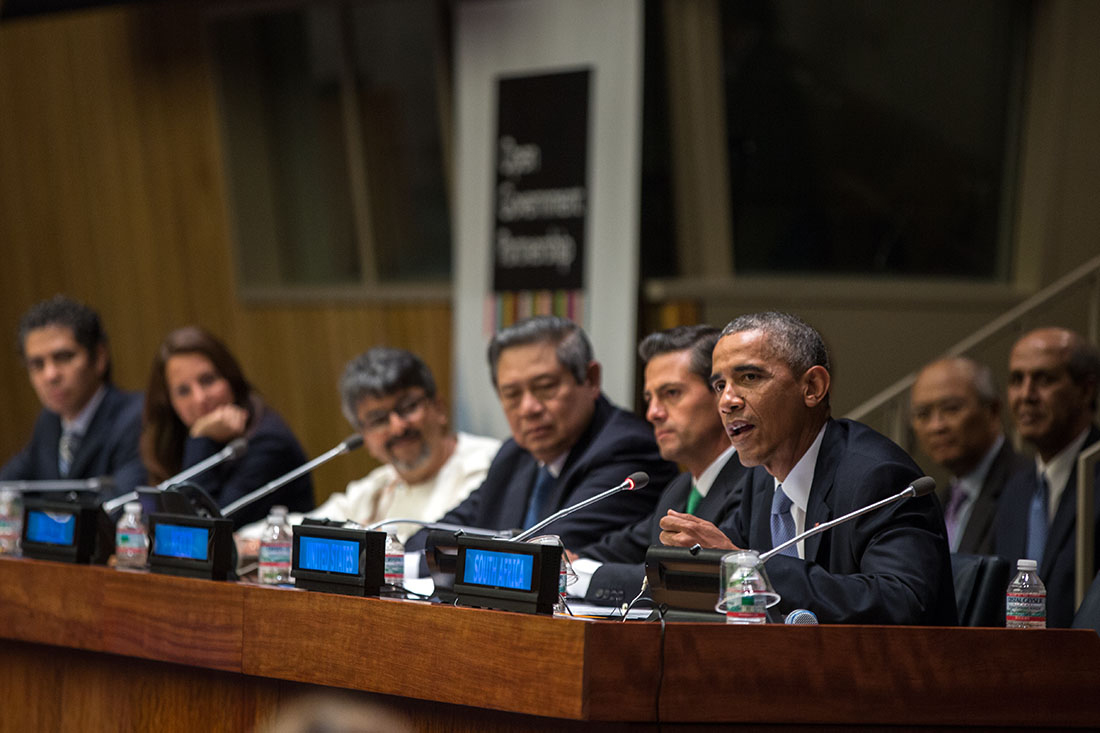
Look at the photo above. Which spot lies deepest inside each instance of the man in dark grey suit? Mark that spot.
(955, 412)
(568, 444)
(891, 566)
(684, 413)
(87, 428)
(1054, 375)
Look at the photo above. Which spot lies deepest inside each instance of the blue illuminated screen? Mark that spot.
(331, 556)
(498, 569)
(51, 528)
(176, 540)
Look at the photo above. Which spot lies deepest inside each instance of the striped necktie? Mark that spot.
(66, 451)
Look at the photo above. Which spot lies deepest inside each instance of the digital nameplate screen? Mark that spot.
(492, 569)
(51, 528)
(328, 555)
(177, 540)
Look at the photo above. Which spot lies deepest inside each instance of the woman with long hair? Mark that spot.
(197, 401)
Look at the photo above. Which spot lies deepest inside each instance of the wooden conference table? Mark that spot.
(92, 648)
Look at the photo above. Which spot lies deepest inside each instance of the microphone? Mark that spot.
(438, 525)
(234, 450)
(349, 443)
(633, 482)
(920, 487)
(801, 617)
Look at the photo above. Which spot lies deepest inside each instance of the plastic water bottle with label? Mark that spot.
(131, 538)
(1026, 600)
(275, 548)
(394, 571)
(11, 521)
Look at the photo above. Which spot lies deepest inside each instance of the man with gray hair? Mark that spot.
(389, 396)
(568, 441)
(684, 413)
(955, 413)
(890, 566)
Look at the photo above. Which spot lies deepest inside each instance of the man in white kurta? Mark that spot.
(389, 396)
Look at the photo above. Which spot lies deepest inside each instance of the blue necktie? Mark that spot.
(543, 480)
(782, 522)
(1037, 522)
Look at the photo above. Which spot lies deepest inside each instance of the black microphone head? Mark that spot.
(801, 617)
(923, 485)
(237, 448)
(637, 480)
(353, 441)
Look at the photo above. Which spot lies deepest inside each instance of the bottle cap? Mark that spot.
(279, 510)
(1024, 564)
(132, 507)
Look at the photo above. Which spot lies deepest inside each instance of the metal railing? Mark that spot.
(889, 409)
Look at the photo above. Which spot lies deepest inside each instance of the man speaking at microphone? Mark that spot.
(568, 441)
(890, 566)
(683, 411)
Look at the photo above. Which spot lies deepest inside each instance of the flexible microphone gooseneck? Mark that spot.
(633, 482)
(437, 525)
(347, 444)
(920, 487)
(234, 450)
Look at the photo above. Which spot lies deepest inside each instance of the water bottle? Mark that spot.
(275, 547)
(1026, 600)
(395, 560)
(131, 539)
(11, 521)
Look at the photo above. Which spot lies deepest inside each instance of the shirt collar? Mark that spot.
(971, 483)
(79, 424)
(706, 478)
(555, 466)
(801, 478)
(1061, 466)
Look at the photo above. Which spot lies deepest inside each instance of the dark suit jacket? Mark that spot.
(890, 566)
(615, 444)
(977, 536)
(1059, 555)
(272, 451)
(623, 552)
(108, 448)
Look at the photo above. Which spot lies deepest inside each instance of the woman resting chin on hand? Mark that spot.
(197, 401)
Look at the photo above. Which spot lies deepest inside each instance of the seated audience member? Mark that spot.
(568, 441)
(890, 566)
(956, 415)
(88, 428)
(198, 401)
(684, 413)
(389, 396)
(1053, 380)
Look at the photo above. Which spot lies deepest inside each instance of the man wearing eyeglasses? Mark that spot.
(568, 442)
(389, 396)
(955, 412)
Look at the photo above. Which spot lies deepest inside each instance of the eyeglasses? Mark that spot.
(406, 409)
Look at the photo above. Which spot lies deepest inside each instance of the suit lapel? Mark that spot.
(819, 509)
(1065, 517)
(91, 442)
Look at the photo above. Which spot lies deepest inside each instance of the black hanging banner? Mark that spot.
(541, 182)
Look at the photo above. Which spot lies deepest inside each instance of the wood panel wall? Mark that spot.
(112, 191)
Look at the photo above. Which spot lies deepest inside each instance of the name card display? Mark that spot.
(506, 575)
(338, 559)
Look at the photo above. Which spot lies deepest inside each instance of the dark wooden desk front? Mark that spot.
(225, 656)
